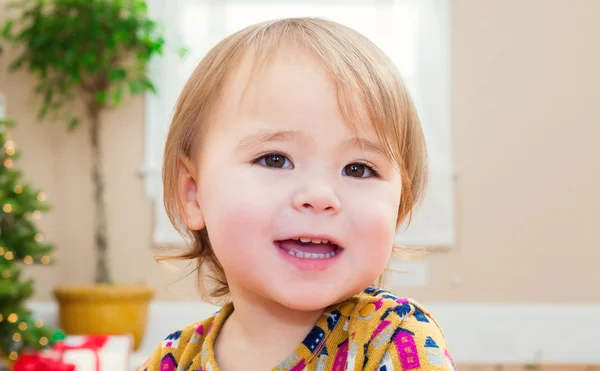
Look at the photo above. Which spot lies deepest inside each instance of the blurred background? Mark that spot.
(508, 94)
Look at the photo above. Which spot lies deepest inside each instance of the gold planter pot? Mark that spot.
(104, 309)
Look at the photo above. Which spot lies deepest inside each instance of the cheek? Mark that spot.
(374, 222)
(237, 208)
(376, 225)
(377, 239)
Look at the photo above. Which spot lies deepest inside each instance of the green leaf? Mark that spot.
(157, 45)
(101, 97)
(43, 111)
(9, 123)
(117, 96)
(135, 87)
(141, 6)
(182, 52)
(149, 85)
(73, 124)
(7, 29)
(16, 64)
(117, 74)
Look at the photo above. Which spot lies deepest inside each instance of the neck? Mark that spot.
(258, 318)
(257, 323)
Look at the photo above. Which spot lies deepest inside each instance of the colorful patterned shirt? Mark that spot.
(373, 330)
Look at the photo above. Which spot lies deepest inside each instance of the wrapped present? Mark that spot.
(37, 362)
(95, 352)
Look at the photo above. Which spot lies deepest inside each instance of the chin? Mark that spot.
(310, 298)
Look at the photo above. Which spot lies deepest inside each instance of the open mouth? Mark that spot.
(309, 248)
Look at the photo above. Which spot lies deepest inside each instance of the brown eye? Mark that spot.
(358, 170)
(276, 161)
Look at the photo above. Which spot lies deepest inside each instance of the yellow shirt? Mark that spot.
(373, 330)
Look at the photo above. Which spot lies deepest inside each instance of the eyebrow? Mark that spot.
(255, 139)
(365, 145)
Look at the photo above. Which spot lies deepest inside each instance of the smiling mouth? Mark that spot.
(309, 248)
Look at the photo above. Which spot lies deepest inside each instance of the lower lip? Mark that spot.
(308, 264)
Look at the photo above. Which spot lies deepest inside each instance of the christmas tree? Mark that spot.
(20, 245)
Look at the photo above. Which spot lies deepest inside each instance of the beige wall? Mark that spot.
(526, 128)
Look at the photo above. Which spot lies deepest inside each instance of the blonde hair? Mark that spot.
(367, 83)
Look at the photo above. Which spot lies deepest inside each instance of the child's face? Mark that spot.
(279, 163)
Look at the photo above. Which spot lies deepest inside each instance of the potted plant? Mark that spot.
(95, 52)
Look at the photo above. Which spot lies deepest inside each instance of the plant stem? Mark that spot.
(100, 222)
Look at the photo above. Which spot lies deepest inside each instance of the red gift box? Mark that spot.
(36, 362)
(94, 343)
(94, 352)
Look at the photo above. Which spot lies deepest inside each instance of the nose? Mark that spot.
(318, 198)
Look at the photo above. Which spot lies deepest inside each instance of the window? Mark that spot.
(414, 33)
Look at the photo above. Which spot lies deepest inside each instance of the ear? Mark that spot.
(188, 193)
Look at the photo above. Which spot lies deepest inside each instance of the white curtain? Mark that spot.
(415, 33)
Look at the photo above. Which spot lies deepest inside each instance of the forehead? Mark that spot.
(292, 89)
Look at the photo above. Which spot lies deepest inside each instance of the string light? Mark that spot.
(17, 337)
(37, 214)
(9, 255)
(43, 341)
(39, 323)
(8, 163)
(13, 356)
(45, 259)
(18, 189)
(9, 145)
(1, 250)
(38, 237)
(22, 326)
(41, 196)
(28, 260)
(6, 273)
(7, 208)
(1, 318)
(12, 318)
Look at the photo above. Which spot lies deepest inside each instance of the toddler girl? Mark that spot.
(293, 155)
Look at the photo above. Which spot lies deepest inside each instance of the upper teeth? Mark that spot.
(313, 240)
